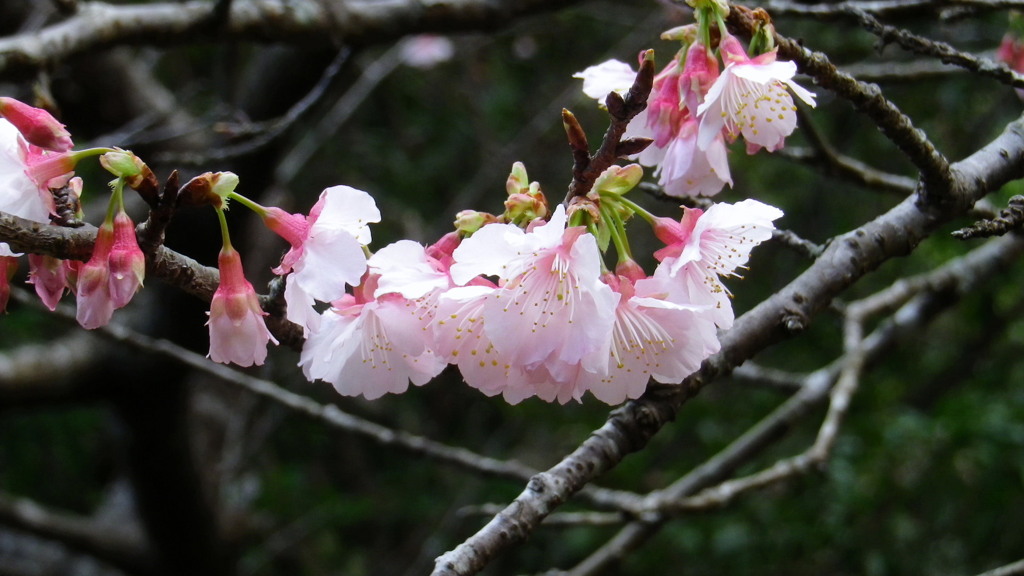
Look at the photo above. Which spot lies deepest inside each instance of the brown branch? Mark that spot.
(622, 109)
(944, 52)
(97, 25)
(844, 166)
(163, 263)
(1009, 219)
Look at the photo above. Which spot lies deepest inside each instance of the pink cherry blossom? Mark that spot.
(686, 170)
(370, 346)
(683, 168)
(127, 263)
(37, 126)
(651, 337)
(48, 275)
(1011, 52)
(238, 333)
(750, 98)
(20, 195)
(551, 313)
(112, 275)
(327, 249)
(705, 246)
(95, 306)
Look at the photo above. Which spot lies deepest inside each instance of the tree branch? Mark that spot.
(97, 25)
(120, 548)
(867, 98)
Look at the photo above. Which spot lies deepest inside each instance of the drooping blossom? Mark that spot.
(95, 306)
(238, 333)
(37, 126)
(127, 262)
(551, 314)
(327, 249)
(750, 97)
(48, 275)
(370, 346)
(702, 247)
(112, 275)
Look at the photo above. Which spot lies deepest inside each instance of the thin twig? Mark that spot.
(935, 169)
(944, 52)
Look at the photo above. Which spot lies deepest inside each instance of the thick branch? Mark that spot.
(306, 22)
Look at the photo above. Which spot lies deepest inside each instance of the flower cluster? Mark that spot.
(523, 306)
(523, 303)
(695, 110)
(36, 159)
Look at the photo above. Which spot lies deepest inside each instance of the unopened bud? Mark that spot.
(208, 189)
(517, 179)
(122, 163)
(36, 125)
(523, 208)
(582, 210)
(469, 221)
(617, 180)
(686, 34)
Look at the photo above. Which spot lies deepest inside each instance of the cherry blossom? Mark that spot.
(48, 275)
(370, 346)
(651, 337)
(703, 246)
(8, 266)
(551, 313)
(95, 306)
(20, 195)
(683, 168)
(750, 98)
(238, 333)
(327, 249)
(127, 263)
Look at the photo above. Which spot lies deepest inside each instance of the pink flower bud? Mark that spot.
(127, 263)
(36, 125)
(238, 333)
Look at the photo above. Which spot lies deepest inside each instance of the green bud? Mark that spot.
(617, 180)
(122, 163)
(469, 221)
